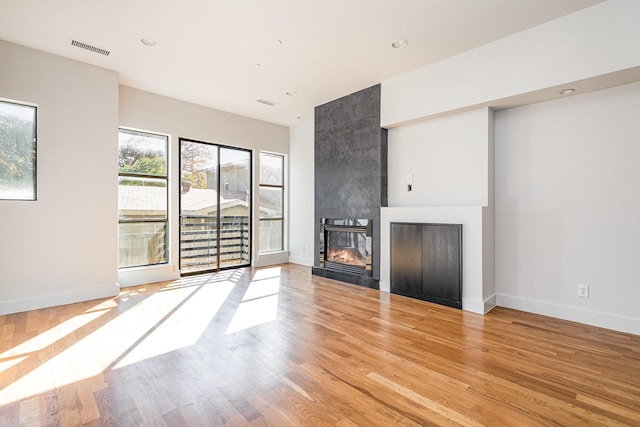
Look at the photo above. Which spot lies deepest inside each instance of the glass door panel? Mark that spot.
(235, 204)
(198, 207)
(215, 198)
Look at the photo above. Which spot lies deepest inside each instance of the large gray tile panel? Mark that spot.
(349, 109)
(349, 137)
(351, 163)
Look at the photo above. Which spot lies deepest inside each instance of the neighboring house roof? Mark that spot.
(137, 198)
(196, 200)
(149, 199)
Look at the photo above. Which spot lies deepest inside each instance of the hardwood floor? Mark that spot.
(277, 346)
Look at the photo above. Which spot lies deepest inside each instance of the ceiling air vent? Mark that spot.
(265, 102)
(90, 48)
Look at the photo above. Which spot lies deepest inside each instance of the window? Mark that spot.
(271, 202)
(142, 198)
(17, 151)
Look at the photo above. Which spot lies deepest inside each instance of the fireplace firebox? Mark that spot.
(345, 245)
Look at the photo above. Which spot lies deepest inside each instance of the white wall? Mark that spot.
(447, 157)
(179, 119)
(595, 41)
(451, 161)
(301, 192)
(590, 49)
(62, 248)
(567, 207)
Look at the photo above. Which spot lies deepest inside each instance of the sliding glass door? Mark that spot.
(215, 207)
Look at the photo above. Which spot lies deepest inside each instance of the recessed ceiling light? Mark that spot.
(400, 43)
(148, 42)
(292, 93)
(565, 91)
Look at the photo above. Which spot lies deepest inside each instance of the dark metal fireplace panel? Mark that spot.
(426, 262)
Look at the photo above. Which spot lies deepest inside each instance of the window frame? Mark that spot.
(165, 221)
(282, 218)
(219, 186)
(35, 151)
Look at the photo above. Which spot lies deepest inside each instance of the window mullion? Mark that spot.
(272, 202)
(143, 187)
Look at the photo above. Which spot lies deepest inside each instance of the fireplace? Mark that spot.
(345, 245)
(346, 250)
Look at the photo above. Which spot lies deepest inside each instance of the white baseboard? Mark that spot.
(490, 303)
(273, 258)
(574, 314)
(385, 285)
(59, 298)
(479, 306)
(306, 261)
(148, 274)
(473, 305)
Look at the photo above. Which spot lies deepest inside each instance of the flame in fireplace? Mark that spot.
(347, 256)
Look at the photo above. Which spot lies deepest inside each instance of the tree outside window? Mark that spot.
(17, 151)
(142, 198)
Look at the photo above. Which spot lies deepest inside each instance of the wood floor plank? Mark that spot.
(29, 411)
(316, 352)
(49, 408)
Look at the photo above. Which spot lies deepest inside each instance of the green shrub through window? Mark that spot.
(17, 151)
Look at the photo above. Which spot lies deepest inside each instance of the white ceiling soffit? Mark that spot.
(297, 54)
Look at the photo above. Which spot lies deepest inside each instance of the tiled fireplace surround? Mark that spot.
(351, 171)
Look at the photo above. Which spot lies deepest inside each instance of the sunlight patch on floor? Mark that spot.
(253, 313)
(267, 273)
(184, 327)
(260, 301)
(54, 334)
(92, 354)
(8, 363)
(262, 288)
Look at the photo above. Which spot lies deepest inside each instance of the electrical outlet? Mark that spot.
(583, 291)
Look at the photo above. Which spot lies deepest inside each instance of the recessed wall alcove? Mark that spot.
(451, 162)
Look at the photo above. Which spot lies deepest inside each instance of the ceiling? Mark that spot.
(227, 54)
